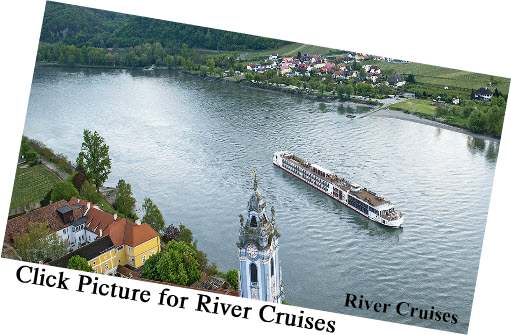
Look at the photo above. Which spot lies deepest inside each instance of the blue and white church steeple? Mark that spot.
(260, 272)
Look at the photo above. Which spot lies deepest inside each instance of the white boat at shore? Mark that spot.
(151, 68)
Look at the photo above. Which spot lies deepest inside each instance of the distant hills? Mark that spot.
(82, 26)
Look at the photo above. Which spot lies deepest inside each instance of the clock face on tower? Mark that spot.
(252, 251)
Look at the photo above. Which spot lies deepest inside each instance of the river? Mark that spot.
(191, 145)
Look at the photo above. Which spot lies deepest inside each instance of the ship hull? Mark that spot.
(387, 223)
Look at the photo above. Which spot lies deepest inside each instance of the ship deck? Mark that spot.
(341, 183)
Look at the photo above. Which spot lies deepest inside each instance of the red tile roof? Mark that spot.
(19, 225)
(121, 231)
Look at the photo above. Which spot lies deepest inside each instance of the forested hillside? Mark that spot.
(82, 26)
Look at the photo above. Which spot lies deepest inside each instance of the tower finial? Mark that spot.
(255, 178)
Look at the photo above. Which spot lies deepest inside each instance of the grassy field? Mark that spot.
(427, 109)
(31, 185)
(417, 107)
(436, 75)
(323, 47)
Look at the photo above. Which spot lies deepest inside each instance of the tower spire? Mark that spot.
(255, 179)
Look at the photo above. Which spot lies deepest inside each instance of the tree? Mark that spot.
(79, 263)
(78, 179)
(362, 73)
(232, 278)
(63, 191)
(178, 264)
(88, 192)
(321, 89)
(210, 63)
(153, 216)
(170, 233)
(341, 90)
(124, 200)
(349, 90)
(185, 235)
(39, 244)
(94, 158)
(150, 269)
(476, 121)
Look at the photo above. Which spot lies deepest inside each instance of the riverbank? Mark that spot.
(386, 113)
(302, 94)
(379, 110)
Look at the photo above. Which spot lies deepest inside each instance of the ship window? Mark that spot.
(253, 222)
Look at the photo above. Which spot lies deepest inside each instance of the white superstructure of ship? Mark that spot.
(365, 202)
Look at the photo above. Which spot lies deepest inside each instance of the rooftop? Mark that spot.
(89, 252)
(362, 194)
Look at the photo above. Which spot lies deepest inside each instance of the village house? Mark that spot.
(101, 255)
(328, 66)
(285, 69)
(287, 60)
(483, 94)
(338, 75)
(79, 223)
(59, 216)
(396, 80)
(273, 56)
(456, 100)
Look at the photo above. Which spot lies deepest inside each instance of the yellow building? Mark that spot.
(134, 243)
(101, 255)
(113, 241)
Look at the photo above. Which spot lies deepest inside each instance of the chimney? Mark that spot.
(78, 201)
(115, 217)
(100, 232)
(87, 210)
(137, 221)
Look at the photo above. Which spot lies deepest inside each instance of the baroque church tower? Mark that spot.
(260, 272)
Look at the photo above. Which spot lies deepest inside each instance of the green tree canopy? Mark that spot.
(88, 192)
(153, 216)
(63, 191)
(94, 158)
(232, 278)
(79, 263)
(39, 244)
(175, 265)
(124, 200)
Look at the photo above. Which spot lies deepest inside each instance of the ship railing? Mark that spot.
(393, 216)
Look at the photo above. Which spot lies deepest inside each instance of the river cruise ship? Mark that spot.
(365, 202)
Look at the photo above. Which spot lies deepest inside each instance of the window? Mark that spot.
(94, 263)
(143, 259)
(272, 268)
(253, 273)
(253, 222)
(106, 267)
(152, 253)
(96, 270)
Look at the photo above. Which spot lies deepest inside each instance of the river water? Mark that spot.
(191, 145)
